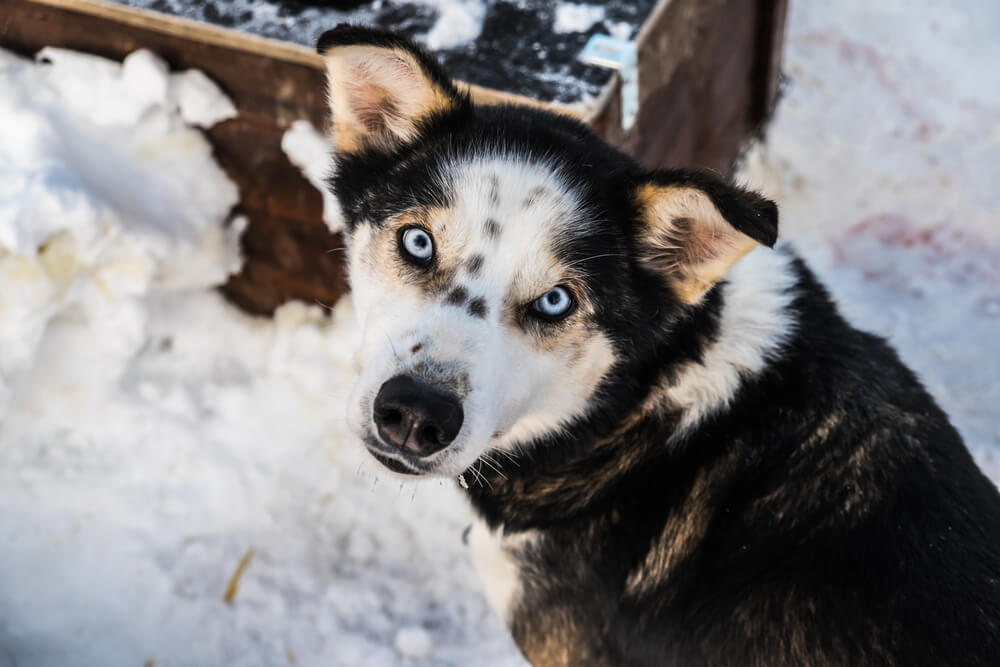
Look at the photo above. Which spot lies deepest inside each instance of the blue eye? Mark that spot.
(417, 245)
(554, 304)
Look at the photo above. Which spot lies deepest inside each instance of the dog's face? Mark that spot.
(505, 263)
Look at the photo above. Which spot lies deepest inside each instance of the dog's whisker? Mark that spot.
(393, 347)
(323, 305)
(510, 457)
(593, 257)
(493, 465)
(480, 478)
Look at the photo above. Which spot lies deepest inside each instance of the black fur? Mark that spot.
(830, 515)
(478, 308)
(474, 265)
(457, 296)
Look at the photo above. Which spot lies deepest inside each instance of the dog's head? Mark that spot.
(506, 264)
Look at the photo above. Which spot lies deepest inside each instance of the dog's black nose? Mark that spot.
(416, 417)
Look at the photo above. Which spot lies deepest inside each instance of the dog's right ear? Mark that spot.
(382, 88)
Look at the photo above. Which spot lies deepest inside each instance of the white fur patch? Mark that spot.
(755, 322)
(497, 559)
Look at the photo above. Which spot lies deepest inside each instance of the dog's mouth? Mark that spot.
(394, 464)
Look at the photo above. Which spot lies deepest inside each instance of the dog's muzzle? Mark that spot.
(414, 419)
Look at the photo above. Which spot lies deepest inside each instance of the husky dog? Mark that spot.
(679, 451)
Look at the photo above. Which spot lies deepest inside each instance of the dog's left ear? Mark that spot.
(696, 227)
(382, 87)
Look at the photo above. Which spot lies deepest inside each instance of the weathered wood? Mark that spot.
(708, 73)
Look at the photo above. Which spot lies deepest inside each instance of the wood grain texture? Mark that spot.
(708, 74)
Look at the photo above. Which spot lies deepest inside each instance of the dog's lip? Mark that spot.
(396, 465)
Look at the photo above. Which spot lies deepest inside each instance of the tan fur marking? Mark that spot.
(688, 239)
(548, 648)
(683, 530)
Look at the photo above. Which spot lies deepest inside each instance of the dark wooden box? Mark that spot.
(707, 79)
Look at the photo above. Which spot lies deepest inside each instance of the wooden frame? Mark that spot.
(708, 73)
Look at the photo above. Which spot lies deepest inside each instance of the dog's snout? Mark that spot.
(415, 416)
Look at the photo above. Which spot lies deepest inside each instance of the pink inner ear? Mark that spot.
(686, 242)
(707, 242)
(372, 104)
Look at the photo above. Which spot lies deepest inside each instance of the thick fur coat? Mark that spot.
(680, 451)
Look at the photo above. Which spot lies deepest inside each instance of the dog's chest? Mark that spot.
(500, 558)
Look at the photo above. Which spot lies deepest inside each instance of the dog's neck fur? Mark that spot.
(738, 327)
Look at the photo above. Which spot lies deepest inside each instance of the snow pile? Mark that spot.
(459, 22)
(105, 192)
(572, 17)
(884, 156)
(140, 467)
(309, 150)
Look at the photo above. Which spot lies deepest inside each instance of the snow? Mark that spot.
(884, 157)
(309, 150)
(459, 22)
(199, 99)
(153, 435)
(414, 643)
(573, 17)
(104, 194)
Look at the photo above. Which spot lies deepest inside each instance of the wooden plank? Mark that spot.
(708, 70)
(771, 42)
(708, 74)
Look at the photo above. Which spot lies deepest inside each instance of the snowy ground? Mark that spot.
(151, 435)
(885, 158)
